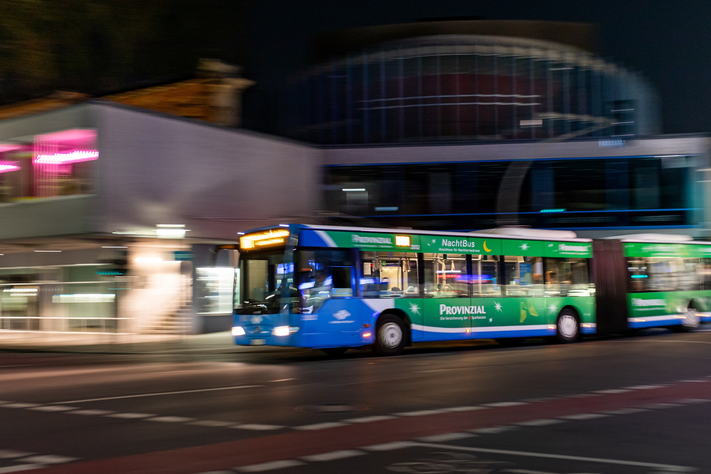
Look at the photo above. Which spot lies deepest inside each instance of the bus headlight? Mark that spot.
(238, 331)
(284, 330)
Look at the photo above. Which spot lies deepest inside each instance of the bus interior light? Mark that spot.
(402, 240)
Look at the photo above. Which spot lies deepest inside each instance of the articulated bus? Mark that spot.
(333, 288)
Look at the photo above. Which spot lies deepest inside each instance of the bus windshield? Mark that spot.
(259, 281)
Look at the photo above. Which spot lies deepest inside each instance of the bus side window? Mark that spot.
(342, 282)
(389, 275)
(705, 273)
(322, 274)
(446, 276)
(637, 268)
(485, 275)
(567, 277)
(524, 276)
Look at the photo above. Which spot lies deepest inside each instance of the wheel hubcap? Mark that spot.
(692, 319)
(568, 326)
(390, 335)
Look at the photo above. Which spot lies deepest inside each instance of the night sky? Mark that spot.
(669, 42)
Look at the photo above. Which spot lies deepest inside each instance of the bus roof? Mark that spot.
(541, 235)
(659, 239)
(529, 233)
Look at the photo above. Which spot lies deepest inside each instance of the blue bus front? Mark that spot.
(301, 298)
(264, 290)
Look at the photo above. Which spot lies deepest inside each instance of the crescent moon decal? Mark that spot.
(487, 249)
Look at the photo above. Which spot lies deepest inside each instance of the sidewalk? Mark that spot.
(220, 342)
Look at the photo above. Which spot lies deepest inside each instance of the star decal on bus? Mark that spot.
(497, 306)
(524, 247)
(414, 308)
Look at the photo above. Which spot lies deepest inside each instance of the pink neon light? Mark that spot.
(7, 166)
(8, 147)
(66, 158)
(68, 135)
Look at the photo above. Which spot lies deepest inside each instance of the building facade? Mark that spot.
(110, 213)
(466, 81)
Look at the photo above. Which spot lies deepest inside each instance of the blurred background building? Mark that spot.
(110, 207)
(466, 81)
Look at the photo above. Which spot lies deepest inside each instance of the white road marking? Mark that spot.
(10, 454)
(333, 455)
(692, 400)
(213, 423)
(130, 416)
(659, 406)
(268, 466)
(542, 422)
(494, 429)
(257, 427)
(20, 405)
(369, 419)
(625, 411)
(319, 426)
(585, 416)
(160, 394)
(49, 459)
(613, 390)
(21, 467)
(54, 408)
(645, 387)
(441, 438)
(391, 446)
(92, 412)
(526, 471)
(421, 413)
(693, 381)
(170, 419)
(281, 380)
(504, 404)
(467, 408)
(620, 462)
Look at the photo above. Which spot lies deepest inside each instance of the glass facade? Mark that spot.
(624, 192)
(467, 87)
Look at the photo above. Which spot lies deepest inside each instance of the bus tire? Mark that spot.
(335, 351)
(567, 326)
(391, 335)
(690, 322)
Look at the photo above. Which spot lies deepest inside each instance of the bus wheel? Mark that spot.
(390, 335)
(692, 319)
(335, 351)
(567, 327)
(689, 323)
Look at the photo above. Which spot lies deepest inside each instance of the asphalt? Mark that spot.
(612, 405)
